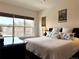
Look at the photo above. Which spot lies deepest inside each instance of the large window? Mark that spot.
(29, 28)
(6, 24)
(19, 27)
(14, 27)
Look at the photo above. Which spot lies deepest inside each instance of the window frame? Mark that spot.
(16, 16)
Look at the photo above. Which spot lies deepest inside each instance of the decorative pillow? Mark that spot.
(49, 34)
(55, 35)
(60, 35)
(68, 36)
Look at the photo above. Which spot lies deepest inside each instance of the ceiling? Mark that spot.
(35, 5)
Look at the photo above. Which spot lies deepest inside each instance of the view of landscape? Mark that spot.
(15, 27)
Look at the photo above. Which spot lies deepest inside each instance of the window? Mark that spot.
(6, 24)
(29, 27)
(19, 27)
(14, 27)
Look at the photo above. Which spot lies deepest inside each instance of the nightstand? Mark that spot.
(1, 41)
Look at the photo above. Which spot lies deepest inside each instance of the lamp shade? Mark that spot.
(46, 29)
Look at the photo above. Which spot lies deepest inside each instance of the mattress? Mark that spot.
(52, 48)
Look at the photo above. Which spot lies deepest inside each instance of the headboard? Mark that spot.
(76, 31)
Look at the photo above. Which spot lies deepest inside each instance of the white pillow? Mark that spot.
(56, 30)
(67, 30)
(54, 33)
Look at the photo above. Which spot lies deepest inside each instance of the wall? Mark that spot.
(52, 14)
(20, 11)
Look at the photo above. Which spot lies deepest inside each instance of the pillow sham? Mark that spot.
(56, 30)
(67, 30)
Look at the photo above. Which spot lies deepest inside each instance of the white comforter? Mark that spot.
(48, 48)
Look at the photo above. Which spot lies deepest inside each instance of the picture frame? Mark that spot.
(62, 15)
(43, 21)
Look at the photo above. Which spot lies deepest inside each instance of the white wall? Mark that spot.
(72, 7)
(20, 11)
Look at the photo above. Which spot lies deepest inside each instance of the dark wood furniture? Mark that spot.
(1, 42)
(15, 51)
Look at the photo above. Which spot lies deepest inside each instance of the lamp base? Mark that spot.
(45, 34)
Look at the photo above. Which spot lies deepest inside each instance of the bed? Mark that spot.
(47, 48)
(52, 48)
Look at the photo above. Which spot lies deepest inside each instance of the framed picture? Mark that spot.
(43, 21)
(62, 15)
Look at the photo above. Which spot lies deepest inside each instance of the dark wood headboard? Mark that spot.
(76, 31)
